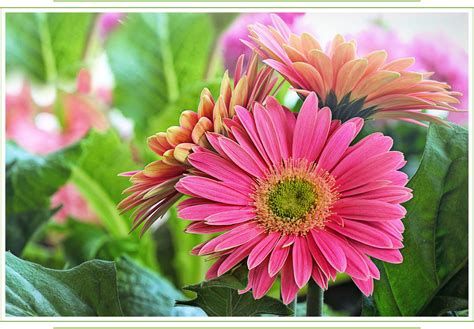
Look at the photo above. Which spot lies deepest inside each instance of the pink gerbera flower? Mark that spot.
(293, 198)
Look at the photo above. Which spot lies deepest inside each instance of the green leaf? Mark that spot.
(220, 297)
(30, 182)
(95, 174)
(89, 289)
(142, 292)
(431, 278)
(48, 47)
(150, 58)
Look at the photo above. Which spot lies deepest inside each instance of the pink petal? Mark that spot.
(387, 255)
(212, 190)
(231, 217)
(336, 146)
(390, 194)
(241, 157)
(368, 210)
(319, 277)
(330, 247)
(262, 250)
(212, 272)
(371, 145)
(218, 167)
(305, 126)
(289, 288)
(261, 281)
(204, 209)
(279, 116)
(370, 169)
(356, 262)
(302, 261)
(213, 139)
(279, 255)
(366, 187)
(268, 134)
(366, 286)
(238, 236)
(202, 228)
(319, 258)
(249, 124)
(363, 233)
(235, 257)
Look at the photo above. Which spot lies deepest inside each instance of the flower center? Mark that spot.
(291, 198)
(294, 198)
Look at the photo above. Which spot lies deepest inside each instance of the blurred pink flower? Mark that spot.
(74, 205)
(38, 130)
(230, 42)
(449, 62)
(108, 22)
(433, 53)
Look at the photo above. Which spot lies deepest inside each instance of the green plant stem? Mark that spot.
(314, 300)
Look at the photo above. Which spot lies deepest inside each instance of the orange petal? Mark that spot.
(372, 83)
(343, 53)
(199, 131)
(176, 135)
(348, 76)
(322, 63)
(182, 151)
(188, 119)
(239, 96)
(399, 65)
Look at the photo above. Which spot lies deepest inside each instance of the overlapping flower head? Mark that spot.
(153, 191)
(292, 197)
(351, 86)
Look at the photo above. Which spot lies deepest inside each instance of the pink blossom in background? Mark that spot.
(73, 205)
(379, 38)
(230, 42)
(37, 130)
(449, 62)
(432, 52)
(108, 22)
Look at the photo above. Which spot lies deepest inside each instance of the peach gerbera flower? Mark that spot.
(349, 85)
(153, 192)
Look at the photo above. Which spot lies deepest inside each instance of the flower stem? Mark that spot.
(314, 300)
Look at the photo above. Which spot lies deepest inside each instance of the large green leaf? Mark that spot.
(49, 47)
(156, 58)
(89, 289)
(220, 297)
(30, 182)
(144, 293)
(433, 276)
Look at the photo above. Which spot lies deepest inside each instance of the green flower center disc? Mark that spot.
(292, 199)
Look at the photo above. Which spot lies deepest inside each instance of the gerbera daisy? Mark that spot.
(349, 85)
(292, 197)
(153, 192)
